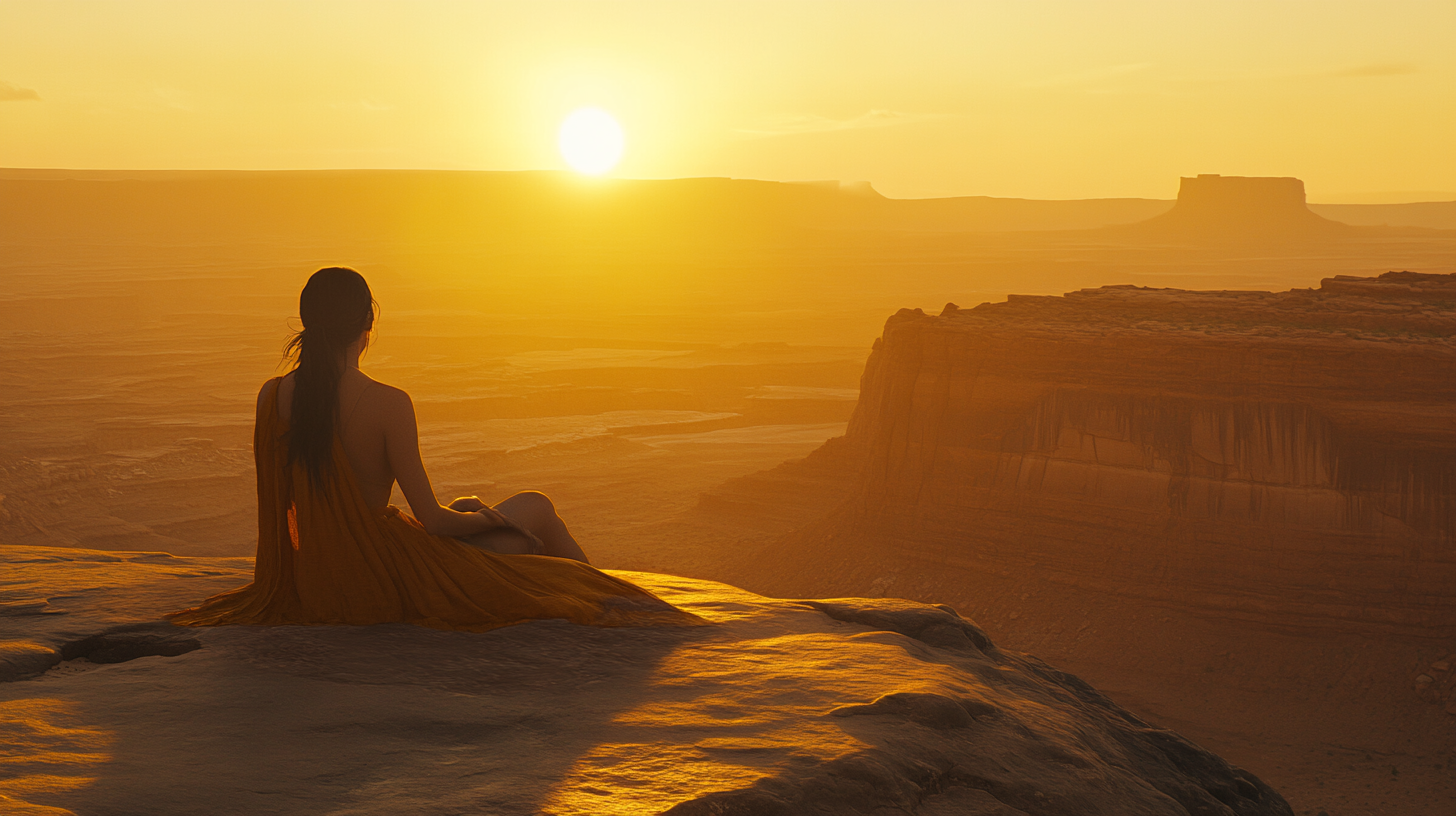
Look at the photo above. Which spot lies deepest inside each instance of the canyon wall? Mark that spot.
(1286, 457)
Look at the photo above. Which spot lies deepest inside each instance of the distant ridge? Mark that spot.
(1426, 214)
(138, 203)
(351, 205)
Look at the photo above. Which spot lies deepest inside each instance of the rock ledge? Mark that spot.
(783, 707)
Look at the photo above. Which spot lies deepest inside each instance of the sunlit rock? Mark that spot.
(782, 707)
(1288, 458)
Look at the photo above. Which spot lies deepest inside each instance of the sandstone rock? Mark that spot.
(1281, 457)
(783, 707)
(22, 658)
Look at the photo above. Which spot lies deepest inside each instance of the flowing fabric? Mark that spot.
(324, 557)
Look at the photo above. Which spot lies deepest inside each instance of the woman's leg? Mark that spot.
(504, 541)
(533, 511)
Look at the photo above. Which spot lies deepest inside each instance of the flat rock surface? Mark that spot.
(844, 706)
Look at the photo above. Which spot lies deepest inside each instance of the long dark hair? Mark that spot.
(336, 307)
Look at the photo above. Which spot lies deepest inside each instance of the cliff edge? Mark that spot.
(1232, 511)
(1288, 458)
(780, 707)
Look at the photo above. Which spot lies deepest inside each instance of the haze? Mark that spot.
(1015, 309)
(923, 99)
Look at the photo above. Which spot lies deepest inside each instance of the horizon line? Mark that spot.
(852, 187)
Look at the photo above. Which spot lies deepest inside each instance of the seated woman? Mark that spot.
(329, 444)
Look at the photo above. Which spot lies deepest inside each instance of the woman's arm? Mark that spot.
(402, 446)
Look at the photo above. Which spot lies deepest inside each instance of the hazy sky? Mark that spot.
(1049, 98)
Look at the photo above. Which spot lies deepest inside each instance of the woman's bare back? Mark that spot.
(369, 414)
(378, 431)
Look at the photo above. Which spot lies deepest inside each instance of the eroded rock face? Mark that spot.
(1288, 455)
(781, 707)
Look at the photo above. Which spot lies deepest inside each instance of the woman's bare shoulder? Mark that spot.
(385, 400)
(384, 391)
(270, 388)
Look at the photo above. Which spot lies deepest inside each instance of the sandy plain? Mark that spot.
(623, 374)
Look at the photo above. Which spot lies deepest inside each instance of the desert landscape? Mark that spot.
(1040, 409)
(1280, 612)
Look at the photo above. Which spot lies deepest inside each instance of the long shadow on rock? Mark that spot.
(374, 719)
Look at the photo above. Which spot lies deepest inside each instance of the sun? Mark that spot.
(591, 141)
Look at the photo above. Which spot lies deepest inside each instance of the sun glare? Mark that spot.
(591, 141)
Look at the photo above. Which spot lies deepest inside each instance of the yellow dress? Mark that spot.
(324, 557)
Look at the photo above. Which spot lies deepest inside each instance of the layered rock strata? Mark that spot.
(1289, 457)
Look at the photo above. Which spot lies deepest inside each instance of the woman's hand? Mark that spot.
(473, 504)
(499, 519)
(494, 518)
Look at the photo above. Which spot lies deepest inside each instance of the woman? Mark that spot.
(329, 444)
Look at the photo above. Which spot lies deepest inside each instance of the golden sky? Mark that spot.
(1041, 98)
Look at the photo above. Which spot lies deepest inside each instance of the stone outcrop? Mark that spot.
(780, 707)
(1288, 458)
(1211, 207)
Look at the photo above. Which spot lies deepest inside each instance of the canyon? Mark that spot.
(1284, 456)
(1223, 507)
(649, 353)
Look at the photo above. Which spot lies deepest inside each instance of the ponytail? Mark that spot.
(336, 307)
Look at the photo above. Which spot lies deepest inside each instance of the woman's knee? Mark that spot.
(537, 500)
(530, 506)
